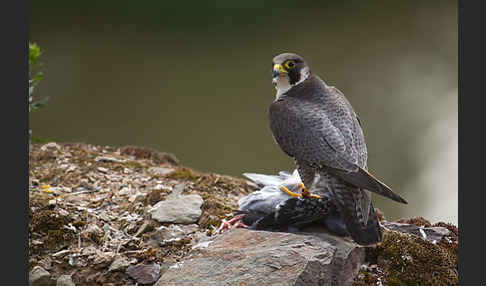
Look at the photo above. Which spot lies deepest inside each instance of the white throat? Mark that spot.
(282, 83)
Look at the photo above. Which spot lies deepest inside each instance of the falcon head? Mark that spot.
(288, 70)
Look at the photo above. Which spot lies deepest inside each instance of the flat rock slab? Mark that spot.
(246, 257)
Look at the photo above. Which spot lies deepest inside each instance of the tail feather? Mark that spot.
(363, 179)
(369, 235)
(343, 195)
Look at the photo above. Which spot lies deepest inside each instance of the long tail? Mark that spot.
(364, 180)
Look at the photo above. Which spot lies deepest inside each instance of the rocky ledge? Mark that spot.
(102, 215)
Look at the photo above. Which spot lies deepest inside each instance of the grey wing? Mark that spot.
(352, 123)
(304, 131)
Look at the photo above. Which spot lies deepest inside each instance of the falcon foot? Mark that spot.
(303, 193)
(232, 223)
(289, 192)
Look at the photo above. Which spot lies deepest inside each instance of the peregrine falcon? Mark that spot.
(316, 125)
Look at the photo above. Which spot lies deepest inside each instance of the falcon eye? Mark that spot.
(289, 64)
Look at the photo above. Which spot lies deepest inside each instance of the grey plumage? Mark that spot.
(316, 125)
(269, 196)
(272, 209)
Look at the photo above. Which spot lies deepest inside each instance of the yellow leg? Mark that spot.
(303, 194)
(289, 192)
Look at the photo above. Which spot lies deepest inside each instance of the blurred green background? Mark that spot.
(194, 78)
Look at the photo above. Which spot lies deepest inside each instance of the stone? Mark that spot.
(103, 258)
(138, 197)
(46, 263)
(38, 276)
(120, 263)
(125, 190)
(144, 274)
(178, 209)
(160, 171)
(65, 280)
(246, 257)
(429, 233)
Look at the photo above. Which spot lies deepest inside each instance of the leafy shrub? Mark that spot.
(35, 78)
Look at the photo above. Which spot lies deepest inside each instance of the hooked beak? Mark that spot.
(278, 69)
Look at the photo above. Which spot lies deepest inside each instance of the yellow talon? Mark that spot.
(290, 193)
(305, 193)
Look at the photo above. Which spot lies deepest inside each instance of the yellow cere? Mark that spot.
(279, 68)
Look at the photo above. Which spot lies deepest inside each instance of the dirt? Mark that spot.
(88, 205)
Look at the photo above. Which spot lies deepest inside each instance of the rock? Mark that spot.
(138, 197)
(89, 250)
(50, 145)
(103, 258)
(46, 263)
(178, 209)
(93, 229)
(120, 263)
(109, 159)
(174, 231)
(65, 280)
(429, 233)
(38, 276)
(144, 274)
(245, 257)
(125, 191)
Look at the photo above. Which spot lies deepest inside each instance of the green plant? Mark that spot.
(35, 78)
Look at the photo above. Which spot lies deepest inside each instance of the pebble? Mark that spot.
(119, 263)
(178, 209)
(144, 274)
(65, 280)
(138, 197)
(39, 276)
(125, 191)
(102, 170)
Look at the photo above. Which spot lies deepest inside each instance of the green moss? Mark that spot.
(134, 165)
(214, 207)
(41, 140)
(365, 278)
(410, 260)
(395, 282)
(183, 174)
(58, 238)
(51, 228)
(149, 153)
(97, 238)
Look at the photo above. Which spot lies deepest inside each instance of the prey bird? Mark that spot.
(268, 208)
